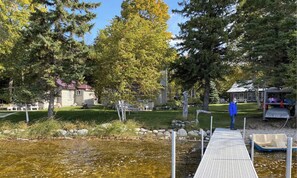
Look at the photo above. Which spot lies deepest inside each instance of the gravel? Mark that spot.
(271, 126)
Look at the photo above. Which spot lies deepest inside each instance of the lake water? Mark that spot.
(90, 158)
(109, 158)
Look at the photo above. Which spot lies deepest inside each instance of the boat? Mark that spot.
(272, 142)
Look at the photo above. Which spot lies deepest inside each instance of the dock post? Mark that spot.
(252, 149)
(289, 158)
(210, 134)
(244, 122)
(173, 155)
(202, 140)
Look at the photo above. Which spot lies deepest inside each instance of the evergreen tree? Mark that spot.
(213, 93)
(55, 45)
(204, 39)
(268, 36)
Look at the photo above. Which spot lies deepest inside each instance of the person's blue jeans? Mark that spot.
(232, 121)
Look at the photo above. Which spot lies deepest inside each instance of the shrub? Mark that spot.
(68, 126)
(44, 128)
(6, 125)
(22, 125)
(116, 128)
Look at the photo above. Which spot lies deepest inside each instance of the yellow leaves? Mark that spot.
(26, 1)
(1, 4)
(14, 15)
(152, 10)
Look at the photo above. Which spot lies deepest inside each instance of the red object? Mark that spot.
(282, 104)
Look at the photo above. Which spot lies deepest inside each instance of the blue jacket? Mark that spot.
(232, 109)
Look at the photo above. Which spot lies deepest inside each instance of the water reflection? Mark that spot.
(88, 158)
(274, 164)
(104, 158)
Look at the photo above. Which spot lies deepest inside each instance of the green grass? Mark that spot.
(147, 119)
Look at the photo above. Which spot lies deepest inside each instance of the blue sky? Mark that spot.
(110, 8)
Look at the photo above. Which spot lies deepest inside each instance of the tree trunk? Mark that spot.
(185, 105)
(10, 88)
(206, 95)
(50, 111)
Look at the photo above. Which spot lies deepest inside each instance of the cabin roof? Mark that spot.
(244, 86)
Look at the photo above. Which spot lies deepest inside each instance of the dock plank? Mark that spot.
(226, 156)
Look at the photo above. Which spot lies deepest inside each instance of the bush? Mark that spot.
(116, 128)
(194, 101)
(44, 128)
(6, 125)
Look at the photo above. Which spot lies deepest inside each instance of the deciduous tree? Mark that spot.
(132, 51)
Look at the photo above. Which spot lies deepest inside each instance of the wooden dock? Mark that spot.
(226, 156)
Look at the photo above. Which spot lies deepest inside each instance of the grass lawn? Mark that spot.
(148, 119)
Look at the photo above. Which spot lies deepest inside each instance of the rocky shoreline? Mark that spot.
(254, 126)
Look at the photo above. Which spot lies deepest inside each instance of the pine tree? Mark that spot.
(213, 93)
(269, 34)
(55, 43)
(204, 39)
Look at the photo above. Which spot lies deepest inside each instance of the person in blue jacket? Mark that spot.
(232, 113)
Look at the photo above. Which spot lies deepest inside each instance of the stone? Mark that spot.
(203, 133)
(6, 132)
(181, 138)
(137, 129)
(161, 130)
(106, 125)
(82, 132)
(193, 133)
(160, 134)
(62, 132)
(143, 130)
(167, 134)
(155, 131)
(182, 133)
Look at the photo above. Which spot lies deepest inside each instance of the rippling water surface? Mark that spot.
(108, 159)
(273, 165)
(89, 158)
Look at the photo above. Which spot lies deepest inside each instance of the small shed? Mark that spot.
(245, 91)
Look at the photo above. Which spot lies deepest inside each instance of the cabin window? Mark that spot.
(78, 92)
